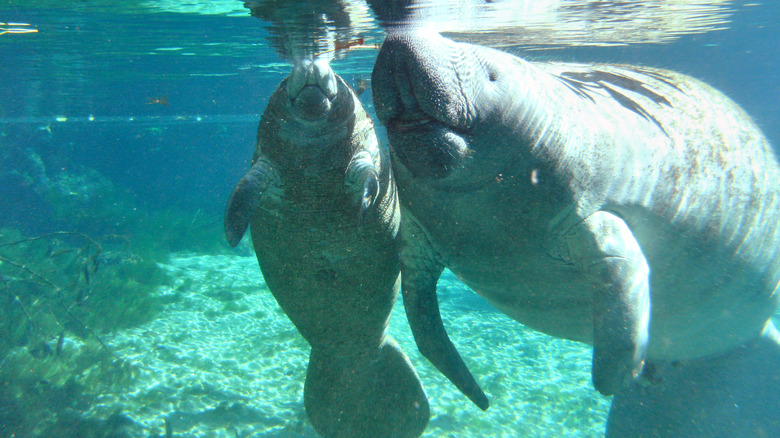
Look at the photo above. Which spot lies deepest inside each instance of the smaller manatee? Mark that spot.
(324, 215)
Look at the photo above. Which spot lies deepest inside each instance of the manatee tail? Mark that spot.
(733, 394)
(377, 396)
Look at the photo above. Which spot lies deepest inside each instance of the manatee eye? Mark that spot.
(492, 76)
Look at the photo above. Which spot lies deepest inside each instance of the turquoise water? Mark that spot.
(130, 123)
(218, 361)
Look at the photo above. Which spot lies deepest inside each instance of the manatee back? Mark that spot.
(696, 181)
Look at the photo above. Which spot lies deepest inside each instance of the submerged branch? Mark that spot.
(31, 273)
(83, 266)
(53, 234)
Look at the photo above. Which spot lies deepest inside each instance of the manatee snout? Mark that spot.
(409, 82)
(311, 87)
(423, 105)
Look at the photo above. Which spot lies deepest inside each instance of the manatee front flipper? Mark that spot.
(419, 274)
(603, 247)
(376, 395)
(362, 179)
(244, 199)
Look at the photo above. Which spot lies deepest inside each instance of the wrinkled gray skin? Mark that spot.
(633, 209)
(323, 209)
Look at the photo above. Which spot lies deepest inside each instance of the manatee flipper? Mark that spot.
(244, 199)
(368, 395)
(362, 180)
(603, 247)
(734, 394)
(419, 274)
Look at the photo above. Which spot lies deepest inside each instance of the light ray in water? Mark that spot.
(16, 28)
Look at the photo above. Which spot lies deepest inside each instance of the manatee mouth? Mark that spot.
(312, 87)
(423, 98)
(404, 126)
(427, 147)
(414, 110)
(311, 103)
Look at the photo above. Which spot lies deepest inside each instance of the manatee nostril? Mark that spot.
(324, 77)
(298, 78)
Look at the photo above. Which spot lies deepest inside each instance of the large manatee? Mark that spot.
(324, 215)
(631, 208)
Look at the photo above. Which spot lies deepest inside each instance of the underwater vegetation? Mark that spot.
(80, 261)
(179, 230)
(191, 334)
(44, 191)
(59, 294)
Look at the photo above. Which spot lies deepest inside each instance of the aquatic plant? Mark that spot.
(60, 293)
(63, 194)
(46, 395)
(27, 266)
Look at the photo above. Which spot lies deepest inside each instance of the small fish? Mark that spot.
(358, 43)
(361, 85)
(59, 252)
(94, 259)
(86, 273)
(158, 100)
(168, 428)
(60, 342)
(81, 297)
(346, 45)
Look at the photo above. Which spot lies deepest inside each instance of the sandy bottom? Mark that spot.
(222, 360)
